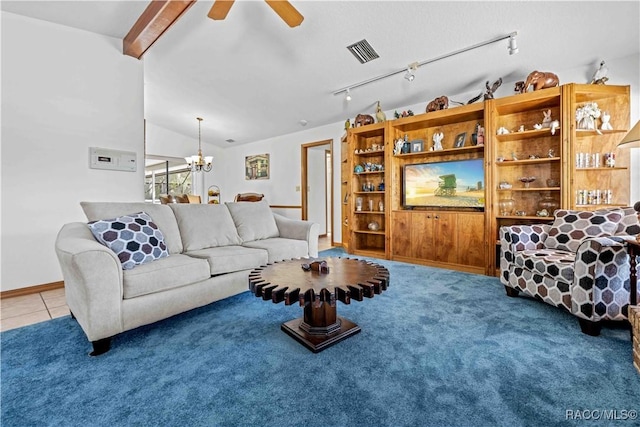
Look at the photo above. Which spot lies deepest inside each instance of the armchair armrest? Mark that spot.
(600, 274)
(299, 230)
(93, 281)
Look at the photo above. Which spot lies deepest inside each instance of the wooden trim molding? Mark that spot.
(31, 290)
(285, 207)
(157, 18)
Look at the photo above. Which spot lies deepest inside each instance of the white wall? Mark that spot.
(63, 91)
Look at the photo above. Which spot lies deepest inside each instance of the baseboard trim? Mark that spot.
(31, 290)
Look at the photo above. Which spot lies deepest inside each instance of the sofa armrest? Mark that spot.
(600, 272)
(299, 230)
(93, 281)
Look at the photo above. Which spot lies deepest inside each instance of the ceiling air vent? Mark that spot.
(230, 141)
(363, 51)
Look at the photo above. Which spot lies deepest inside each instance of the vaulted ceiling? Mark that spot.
(251, 77)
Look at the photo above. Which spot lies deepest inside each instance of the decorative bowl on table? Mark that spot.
(527, 180)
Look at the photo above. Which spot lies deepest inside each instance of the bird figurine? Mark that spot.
(380, 116)
(600, 76)
(347, 124)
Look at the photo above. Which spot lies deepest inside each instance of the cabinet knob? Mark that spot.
(436, 217)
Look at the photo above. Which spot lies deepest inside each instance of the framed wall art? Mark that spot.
(460, 139)
(256, 167)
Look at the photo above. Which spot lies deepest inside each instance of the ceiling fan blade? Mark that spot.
(286, 11)
(220, 9)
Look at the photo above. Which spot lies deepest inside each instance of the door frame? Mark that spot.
(304, 179)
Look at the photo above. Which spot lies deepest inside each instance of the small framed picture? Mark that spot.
(460, 140)
(416, 146)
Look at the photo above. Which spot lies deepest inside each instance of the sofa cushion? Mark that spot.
(168, 273)
(254, 220)
(558, 265)
(162, 215)
(205, 226)
(570, 228)
(135, 238)
(280, 248)
(229, 259)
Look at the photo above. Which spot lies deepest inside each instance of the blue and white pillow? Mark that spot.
(135, 238)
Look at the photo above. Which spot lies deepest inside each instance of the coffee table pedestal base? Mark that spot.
(318, 341)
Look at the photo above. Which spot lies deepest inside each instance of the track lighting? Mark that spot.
(409, 72)
(513, 46)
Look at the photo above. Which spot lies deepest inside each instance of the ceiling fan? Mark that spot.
(284, 9)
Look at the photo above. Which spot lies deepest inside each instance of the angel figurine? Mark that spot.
(437, 141)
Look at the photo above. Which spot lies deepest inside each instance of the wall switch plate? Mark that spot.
(104, 158)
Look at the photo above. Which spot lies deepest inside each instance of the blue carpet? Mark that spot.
(438, 348)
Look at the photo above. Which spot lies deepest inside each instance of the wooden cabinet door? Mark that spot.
(471, 240)
(402, 227)
(422, 235)
(446, 237)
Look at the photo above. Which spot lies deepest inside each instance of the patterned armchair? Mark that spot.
(578, 263)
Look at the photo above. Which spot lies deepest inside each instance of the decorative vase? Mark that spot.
(506, 206)
(548, 203)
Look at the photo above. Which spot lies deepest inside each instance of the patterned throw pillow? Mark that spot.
(135, 238)
(570, 228)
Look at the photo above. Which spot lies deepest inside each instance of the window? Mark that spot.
(166, 176)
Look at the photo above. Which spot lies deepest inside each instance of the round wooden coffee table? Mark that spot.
(318, 293)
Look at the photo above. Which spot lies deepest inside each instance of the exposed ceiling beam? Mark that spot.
(152, 23)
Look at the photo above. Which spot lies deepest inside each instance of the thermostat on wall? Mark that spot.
(103, 158)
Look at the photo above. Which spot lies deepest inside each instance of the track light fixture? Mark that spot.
(347, 97)
(410, 71)
(513, 45)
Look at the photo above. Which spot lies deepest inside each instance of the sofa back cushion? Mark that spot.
(571, 228)
(205, 226)
(254, 220)
(162, 216)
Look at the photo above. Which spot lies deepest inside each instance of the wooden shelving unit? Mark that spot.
(468, 240)
(366, 146)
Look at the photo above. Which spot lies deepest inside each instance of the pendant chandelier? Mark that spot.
(199, 163)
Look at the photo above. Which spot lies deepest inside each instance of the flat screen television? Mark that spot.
(448, 184)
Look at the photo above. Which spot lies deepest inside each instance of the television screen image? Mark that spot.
(458, 183)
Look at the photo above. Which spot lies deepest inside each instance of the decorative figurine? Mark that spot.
(600, 75)
(363, 119)
(551, 153)
(397, 148)
(513, 156)
(519, 87)
(437, 141)
(380, 116)
(521, 128)
(480, 132)
(605, 121)
(540, 80)
(492, 89)
(439, 103)
(547, 122)
(502, 130)
(347, 124)
(586, 116)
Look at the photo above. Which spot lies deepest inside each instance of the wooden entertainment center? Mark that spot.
(466, 239)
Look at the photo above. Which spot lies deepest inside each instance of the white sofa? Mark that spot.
(211, 250)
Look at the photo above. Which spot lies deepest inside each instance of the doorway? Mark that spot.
(317, 185)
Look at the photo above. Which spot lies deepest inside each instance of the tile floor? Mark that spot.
(29, 309)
